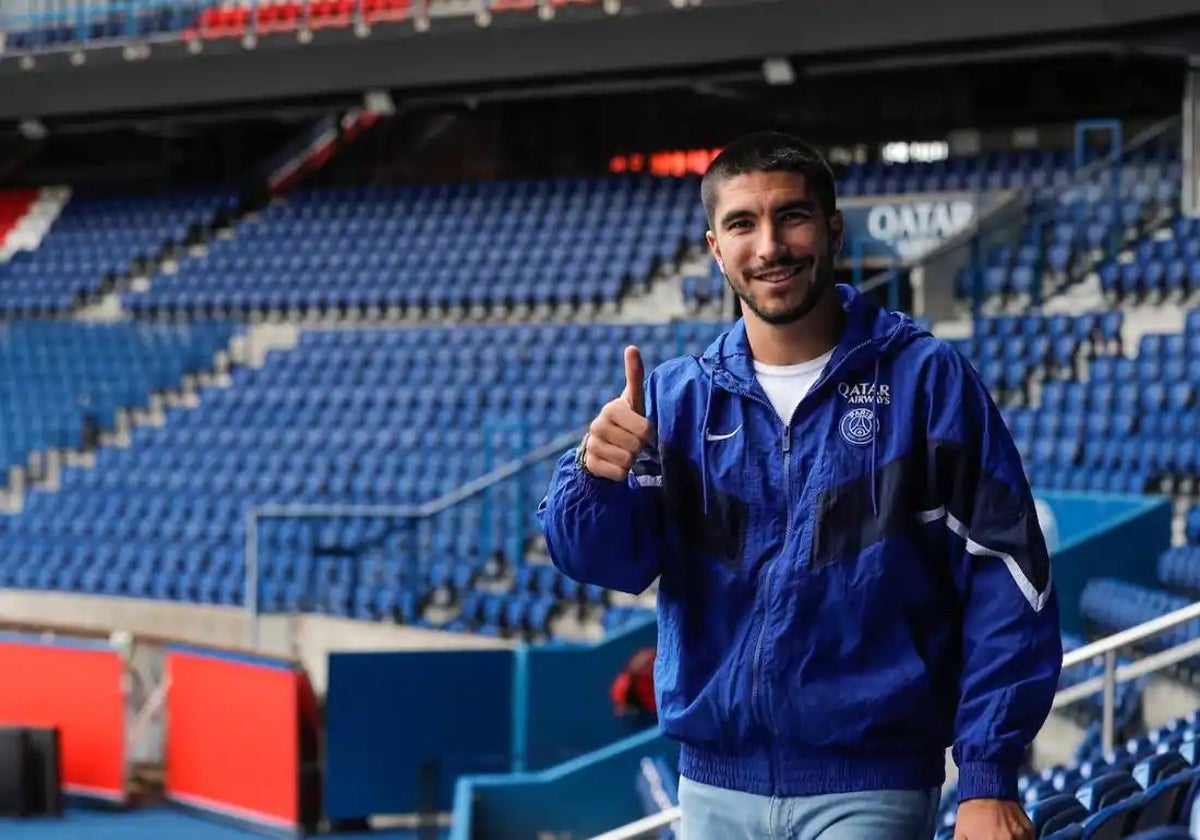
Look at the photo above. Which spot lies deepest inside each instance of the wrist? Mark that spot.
(581, 454)
(987, 780)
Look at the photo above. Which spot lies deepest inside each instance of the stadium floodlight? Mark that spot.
(379, 102)
(32, 129)
(778, 71)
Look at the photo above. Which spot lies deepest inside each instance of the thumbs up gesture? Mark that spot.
(621, 429)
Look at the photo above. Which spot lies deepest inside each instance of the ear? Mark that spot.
(715, 249)
(837, 232)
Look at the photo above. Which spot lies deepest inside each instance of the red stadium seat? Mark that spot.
(224, 22)
(330, 13)
(380, 10)
(13, 205)
(278, 17)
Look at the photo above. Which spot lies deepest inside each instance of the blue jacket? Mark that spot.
(841, 597)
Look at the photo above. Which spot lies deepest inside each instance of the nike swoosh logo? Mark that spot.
(711, 436)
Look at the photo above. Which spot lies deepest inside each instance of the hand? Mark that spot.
(992, 819)
(621, 429)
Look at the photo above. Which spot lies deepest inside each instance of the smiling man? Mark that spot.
(851, 573)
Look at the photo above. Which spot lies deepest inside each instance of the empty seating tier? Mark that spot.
(362, 417)
(490, 247)
(95, 239)
(1148, 784)
(57, 376)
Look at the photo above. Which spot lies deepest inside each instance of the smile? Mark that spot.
(784, 273)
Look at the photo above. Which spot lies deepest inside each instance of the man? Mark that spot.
(851, 573)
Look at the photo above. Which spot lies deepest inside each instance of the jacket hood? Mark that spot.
(871, 331)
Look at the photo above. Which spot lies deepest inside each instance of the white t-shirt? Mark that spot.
(786, 385)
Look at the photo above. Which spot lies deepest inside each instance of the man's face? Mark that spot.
(774, 244)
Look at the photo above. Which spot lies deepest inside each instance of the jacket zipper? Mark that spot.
(755, 701)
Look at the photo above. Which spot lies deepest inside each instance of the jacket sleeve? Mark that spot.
(603, 532)
(1011, 637)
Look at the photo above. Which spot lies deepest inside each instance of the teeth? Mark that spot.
(782, 274)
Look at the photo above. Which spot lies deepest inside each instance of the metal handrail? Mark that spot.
(1107, 683)
(461, 494)
(1133, 635)
(1113, 675)
(643, 826)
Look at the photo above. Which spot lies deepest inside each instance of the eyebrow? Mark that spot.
(799, 204)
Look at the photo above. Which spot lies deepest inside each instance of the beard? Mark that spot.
(782, 313)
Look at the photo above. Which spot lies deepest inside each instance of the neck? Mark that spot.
(801, 341)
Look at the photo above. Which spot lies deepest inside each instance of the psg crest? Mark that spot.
(858, 426)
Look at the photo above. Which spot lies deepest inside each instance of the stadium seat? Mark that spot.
(96, 238)
(372, 249)
(335, 421)
(1056, 812)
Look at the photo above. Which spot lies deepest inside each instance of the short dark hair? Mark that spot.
(769, 151)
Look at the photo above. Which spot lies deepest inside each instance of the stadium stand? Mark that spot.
(336, 250)
(100, 25)
(1072, 229)
(1085, 415)
(1162, 266)
(337, 422)
(59, 376)
(30, 215)
(97, 239)
(1148, 784)
(575, 244)
(439, 326)
(974, 173)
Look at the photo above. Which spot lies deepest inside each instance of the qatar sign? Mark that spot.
(906, 228)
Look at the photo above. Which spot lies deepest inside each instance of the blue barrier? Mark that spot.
(1105, 536)
(569, 712)
(401, 728)
(400, 724)
(584, 796)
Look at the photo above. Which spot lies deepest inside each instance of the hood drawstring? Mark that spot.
(874, 439)
(712, 372)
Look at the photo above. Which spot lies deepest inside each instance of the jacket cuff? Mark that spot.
(985, 780)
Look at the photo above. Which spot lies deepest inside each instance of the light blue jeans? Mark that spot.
(712, 813)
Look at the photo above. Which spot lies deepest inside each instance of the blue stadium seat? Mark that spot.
(1056, 812)
(333, 421)
(97, 237)
(648, 220)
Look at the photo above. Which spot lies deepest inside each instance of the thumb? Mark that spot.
(635, 373)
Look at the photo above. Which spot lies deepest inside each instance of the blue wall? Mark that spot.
(388, 715)
(569, 709)
(585, 796)
(1105, 536)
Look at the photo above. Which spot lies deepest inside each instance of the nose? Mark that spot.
(768, 246)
